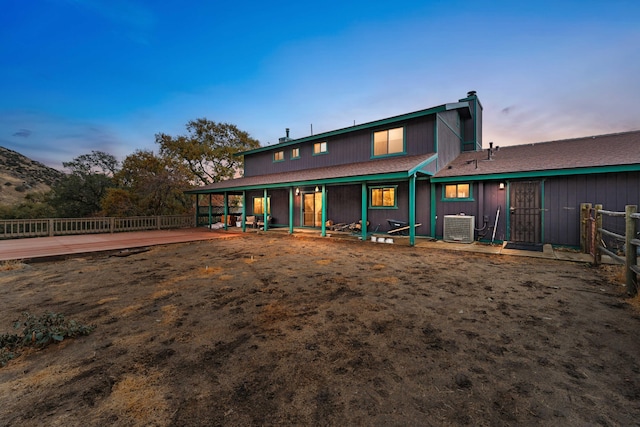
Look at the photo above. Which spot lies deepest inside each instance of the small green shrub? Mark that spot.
(39, 331)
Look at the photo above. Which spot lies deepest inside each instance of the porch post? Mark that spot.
(324, 211)
(197, 210)
(210, 212)
(364, 211)
(412, 210)
(265, 210)
(434, 210)
(291, 204)
(226, 211)
(244, 211)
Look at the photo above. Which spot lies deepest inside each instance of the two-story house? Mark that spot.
(424, 168)
(367, 173)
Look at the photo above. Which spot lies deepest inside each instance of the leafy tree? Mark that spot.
(148, 185)
(80, 192)
(207, 151)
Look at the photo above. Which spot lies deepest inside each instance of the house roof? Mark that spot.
(388, 168)
(462, 105)
(580, 155)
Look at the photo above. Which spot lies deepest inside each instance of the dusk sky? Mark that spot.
(83, 75)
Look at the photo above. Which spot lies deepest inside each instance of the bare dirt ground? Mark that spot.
(263, 330)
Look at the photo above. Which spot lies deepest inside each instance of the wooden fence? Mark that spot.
(594, 234)
(19, 228)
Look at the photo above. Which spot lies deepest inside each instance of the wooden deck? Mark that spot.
(50, 247)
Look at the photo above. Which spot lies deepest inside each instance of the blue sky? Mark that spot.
(83, 75)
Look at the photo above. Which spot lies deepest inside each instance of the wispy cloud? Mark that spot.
(24, 133)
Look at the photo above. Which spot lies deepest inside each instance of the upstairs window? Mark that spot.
(320, 148)
(383, 197)
(278, 156)
(457, 191)
(390, 141)
(295, 153)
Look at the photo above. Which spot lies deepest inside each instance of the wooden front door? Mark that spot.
(525, 212)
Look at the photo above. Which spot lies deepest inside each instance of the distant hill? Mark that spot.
(19, 176)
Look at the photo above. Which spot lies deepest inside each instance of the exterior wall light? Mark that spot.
(501, 186)
(297, 191)
(317, 189)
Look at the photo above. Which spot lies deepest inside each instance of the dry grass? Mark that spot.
(14, 264)
(139, 398)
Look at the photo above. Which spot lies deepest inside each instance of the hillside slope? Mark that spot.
(20, 176)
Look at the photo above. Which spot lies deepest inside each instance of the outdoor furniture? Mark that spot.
(250, 221)
(260, 219)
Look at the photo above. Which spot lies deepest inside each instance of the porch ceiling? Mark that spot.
(383, 169)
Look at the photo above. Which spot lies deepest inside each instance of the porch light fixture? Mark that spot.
(297, 191)
(501, 186)
(317, 189)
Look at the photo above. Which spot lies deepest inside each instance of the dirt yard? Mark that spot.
(264, 330)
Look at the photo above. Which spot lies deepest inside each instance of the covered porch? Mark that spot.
(369, 193)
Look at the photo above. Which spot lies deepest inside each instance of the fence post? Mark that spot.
(632, 256)
(158, 222)
(111, 224)
(585, 227)
(51, 231)
(598, 237)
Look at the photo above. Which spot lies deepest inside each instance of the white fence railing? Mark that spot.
(19, 228)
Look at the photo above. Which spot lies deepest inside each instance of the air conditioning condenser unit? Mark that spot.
(459, 228)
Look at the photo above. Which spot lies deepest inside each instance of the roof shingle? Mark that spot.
(593, 151)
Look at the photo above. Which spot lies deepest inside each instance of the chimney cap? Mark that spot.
(471, 93)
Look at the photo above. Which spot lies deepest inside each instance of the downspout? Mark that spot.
(412, 210)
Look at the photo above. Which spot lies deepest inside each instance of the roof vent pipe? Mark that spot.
(287, 131)
(490, 151)
(471, 93)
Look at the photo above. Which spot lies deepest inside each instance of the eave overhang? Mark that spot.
(539, 173)
(386, 170)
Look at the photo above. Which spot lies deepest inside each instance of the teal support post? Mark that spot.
(265, 210)
(412, 210)
(291, 205)
(244, 211)
(323, 233)
(434, 211)
(210, 212)
(507, 213)
(197, 212)
(226, 211)
(364, 211)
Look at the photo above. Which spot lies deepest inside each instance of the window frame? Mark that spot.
(293, 153)
(469, 198)
(275, 156)
(387, 154)
(383, 187)
(320, 145)
(253, 205)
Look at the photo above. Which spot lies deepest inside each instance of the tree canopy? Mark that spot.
(147, 185)
(79, 193)
(208, 150)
